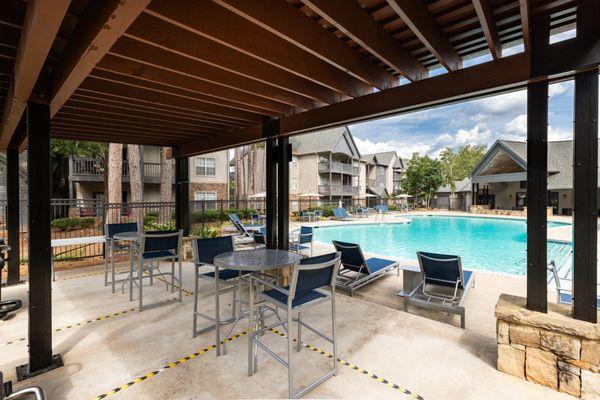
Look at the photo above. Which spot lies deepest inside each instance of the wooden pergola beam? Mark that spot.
(423, 25)
(102, 23)
(488, 25)
(208, 19)
(286, 21)
(359, 25)
(524, 11)
(42, 21)
(504, 74)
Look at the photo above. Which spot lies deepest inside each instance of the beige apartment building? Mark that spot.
(327, 163)
(209, 176)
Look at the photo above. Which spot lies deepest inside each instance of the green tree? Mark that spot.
(76, 148)
(423, 177)
(457, 165)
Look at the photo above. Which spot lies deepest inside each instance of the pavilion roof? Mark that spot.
(207, 75)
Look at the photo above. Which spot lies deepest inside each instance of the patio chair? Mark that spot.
(304, 292)
(358, 271)
(564, 286)
(303, 241)
(112, 246)
(225, 280)
(245, 232)
(444, 287)
(341, 214)
(156, 247)
(260, 238)
(318, 215)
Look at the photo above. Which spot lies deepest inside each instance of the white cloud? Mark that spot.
(505, 103)
(558, 134)
(517, 126)
(556, 89)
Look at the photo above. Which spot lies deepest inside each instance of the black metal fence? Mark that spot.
(87, 217)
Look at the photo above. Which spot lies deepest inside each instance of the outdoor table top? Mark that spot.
(128, 236)
(77, 241)
(257, 260)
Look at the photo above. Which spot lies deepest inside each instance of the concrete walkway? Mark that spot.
(424, 354)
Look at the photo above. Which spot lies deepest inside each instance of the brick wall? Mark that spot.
(219, 188)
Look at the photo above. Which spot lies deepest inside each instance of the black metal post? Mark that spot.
(182, 194)
(585, 177)
(271, 195)
(12, 216)
(283, 193)
(537, 177)
(40, 252)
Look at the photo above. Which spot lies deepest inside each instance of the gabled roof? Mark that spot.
(560, 160)
(459, 186)
(336, 140)
(385, 158)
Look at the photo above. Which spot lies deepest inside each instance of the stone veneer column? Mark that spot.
(550, 349)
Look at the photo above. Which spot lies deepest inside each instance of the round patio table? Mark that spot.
(132, 238)
(253, 261)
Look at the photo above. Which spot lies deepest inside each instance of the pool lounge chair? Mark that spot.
(341, 214)
(358, 271)
(245, 232)
(444, 286)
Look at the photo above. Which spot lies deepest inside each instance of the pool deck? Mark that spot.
(424, 352)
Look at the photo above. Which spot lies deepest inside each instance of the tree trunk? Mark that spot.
(135, 181)
(115, 165)
(166, 185)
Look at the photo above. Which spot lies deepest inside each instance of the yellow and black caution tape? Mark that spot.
(166, 367)
(77, 276)
(78, 324)
(355, 368)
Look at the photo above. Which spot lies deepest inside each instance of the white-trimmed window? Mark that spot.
(209, 198)
(205, 166)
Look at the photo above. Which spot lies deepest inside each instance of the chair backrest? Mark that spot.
(205, 250)
(235, 220)
(336, 213)
(260, 237)
(318, 213)
(384, 208)
(313, 273)
(156, 241)
(441, 269)
(306, 234)
(344, 213)
(352, 256)
(110, 230)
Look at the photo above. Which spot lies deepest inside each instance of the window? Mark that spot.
(205, 166)
(209, 198)
(294, 184)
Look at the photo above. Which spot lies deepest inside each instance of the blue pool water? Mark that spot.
(483, 243)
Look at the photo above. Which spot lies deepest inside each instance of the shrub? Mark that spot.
(206, 232)
(70, 224)
(217, 215)
(392, 207)
(327, 210)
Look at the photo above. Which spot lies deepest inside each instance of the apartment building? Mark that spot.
(209, 178)
(327, 163)
(381, 173)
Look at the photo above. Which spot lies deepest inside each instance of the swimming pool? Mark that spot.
(483, 243)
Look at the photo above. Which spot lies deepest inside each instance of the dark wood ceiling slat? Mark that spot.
(144, 94)
(91, 126)
(153, 74)
(284, 20)
(357, 24)
(146, 54)
(153, 31)
(210, 20)
(174, 90)
(423, 24)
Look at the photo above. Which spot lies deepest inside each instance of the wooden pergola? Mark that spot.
(206, 75)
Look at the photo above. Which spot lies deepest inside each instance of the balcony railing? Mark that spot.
(88, 168)
(338, 167)
(338, 190)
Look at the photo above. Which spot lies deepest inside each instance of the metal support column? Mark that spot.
(13, 215)
(40, 252)
(270, 130)
(283, 193)
(585, 177)
(271, 195)
(182, 194)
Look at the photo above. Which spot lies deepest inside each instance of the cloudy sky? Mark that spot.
(475, 122)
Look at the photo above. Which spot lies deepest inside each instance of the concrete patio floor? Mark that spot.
(426, 354)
